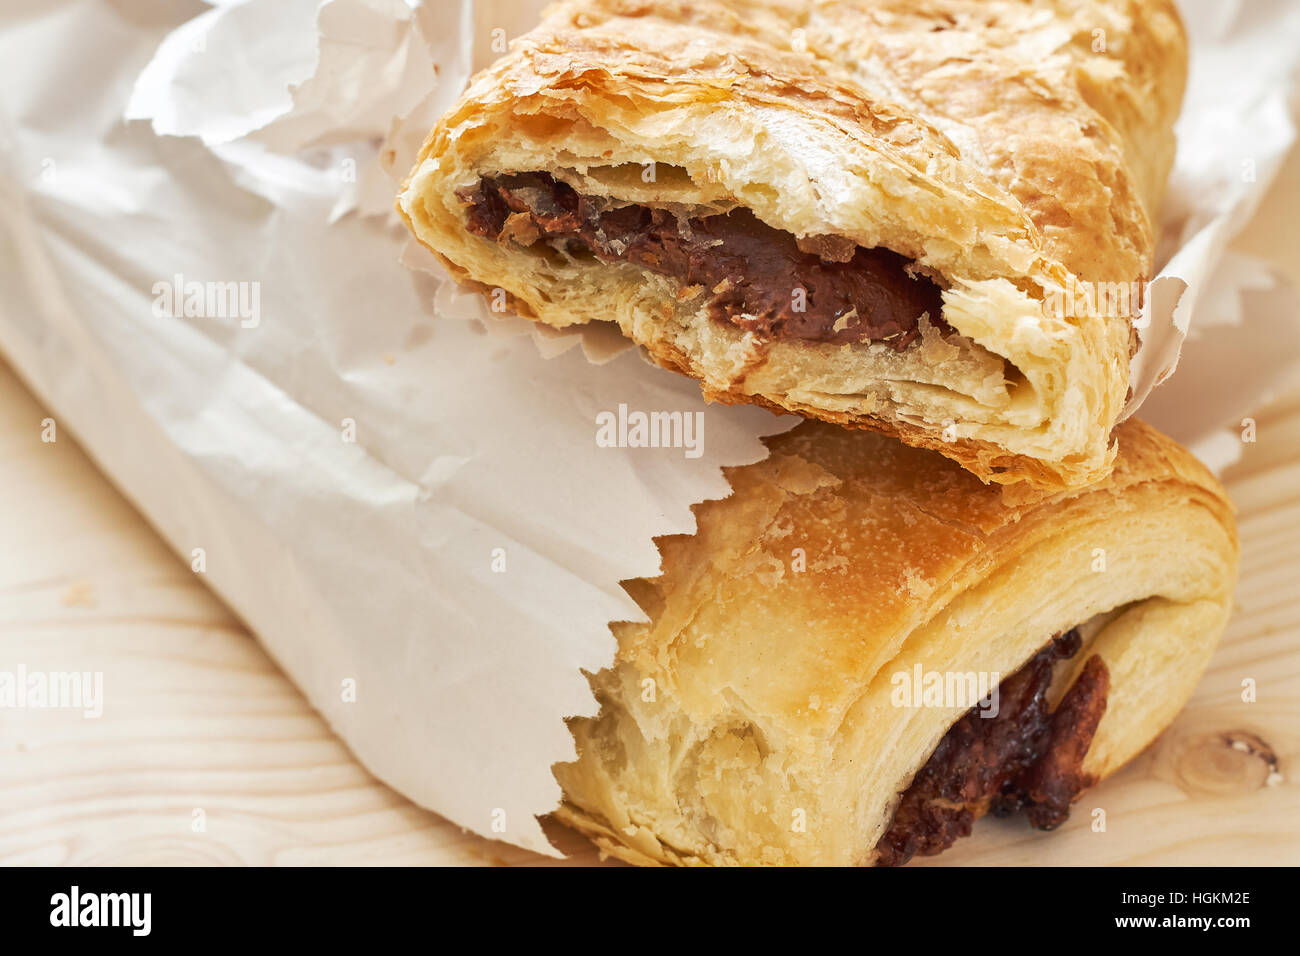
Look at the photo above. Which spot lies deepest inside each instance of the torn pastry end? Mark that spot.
(762, 280)
(1025, 758)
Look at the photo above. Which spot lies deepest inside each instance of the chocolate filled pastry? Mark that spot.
(864, 649)
(929, 218)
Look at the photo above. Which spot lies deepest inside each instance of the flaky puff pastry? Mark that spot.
(751, 721)
(1014, 150)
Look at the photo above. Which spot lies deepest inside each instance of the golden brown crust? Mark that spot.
(1013, 149)
(758, 693)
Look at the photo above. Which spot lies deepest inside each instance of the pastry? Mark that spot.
(929, 218)
(864, 649)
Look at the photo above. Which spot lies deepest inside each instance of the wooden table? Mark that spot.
(207, 754)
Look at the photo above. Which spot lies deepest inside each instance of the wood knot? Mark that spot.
(1225, 763)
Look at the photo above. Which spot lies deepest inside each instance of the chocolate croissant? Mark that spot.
(929, 218)
(864, 649)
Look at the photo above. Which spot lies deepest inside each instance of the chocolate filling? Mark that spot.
(1023, 759)
(759, 279)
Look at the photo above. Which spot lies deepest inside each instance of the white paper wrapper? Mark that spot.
(458, 562)
(1235, 130)
(370, 561)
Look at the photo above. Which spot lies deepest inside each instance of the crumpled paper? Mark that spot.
(1235, 130)
(404, 501)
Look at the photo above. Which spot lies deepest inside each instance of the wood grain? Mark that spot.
(196, 717)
